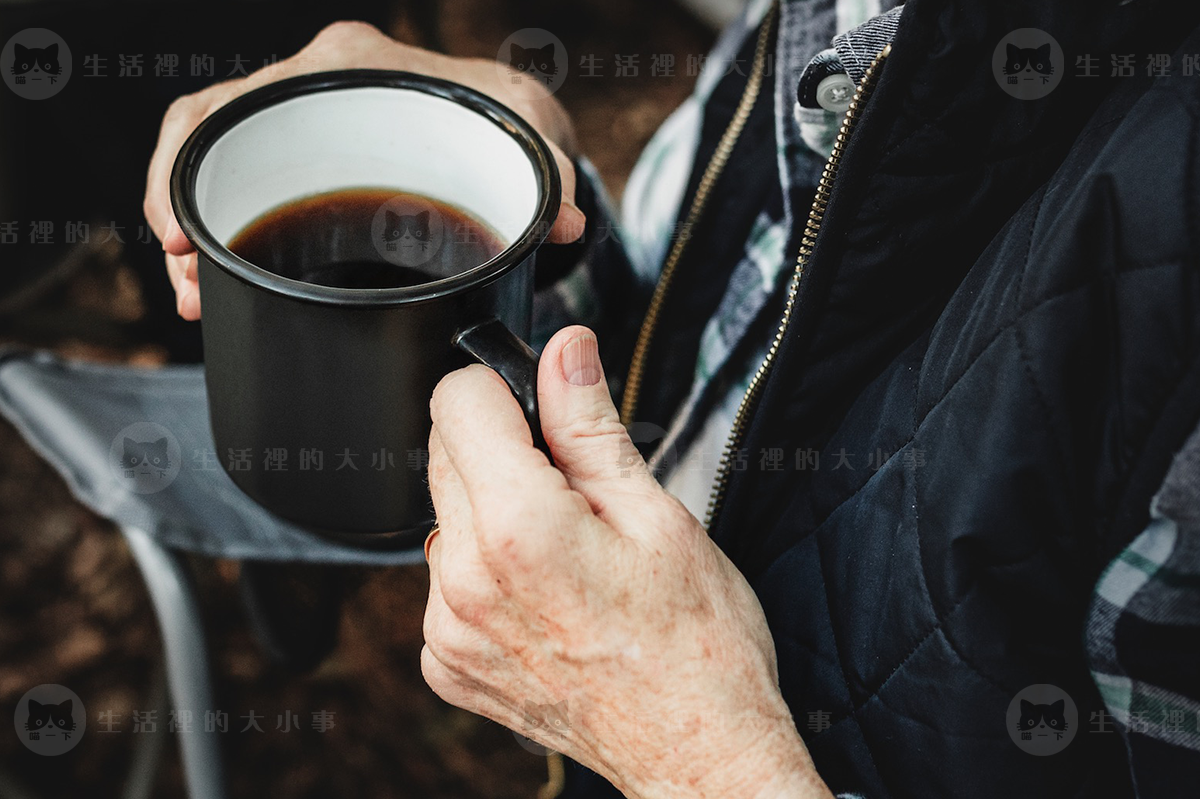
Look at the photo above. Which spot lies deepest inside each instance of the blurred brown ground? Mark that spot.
(73, 609)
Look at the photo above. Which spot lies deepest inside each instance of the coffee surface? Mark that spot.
(367, 238)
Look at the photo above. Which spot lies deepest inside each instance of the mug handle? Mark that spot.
(497, 347)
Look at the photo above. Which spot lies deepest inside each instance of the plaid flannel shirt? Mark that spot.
(1143, 633)
(1143, 636)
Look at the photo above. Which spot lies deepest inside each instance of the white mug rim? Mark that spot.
(191, 156)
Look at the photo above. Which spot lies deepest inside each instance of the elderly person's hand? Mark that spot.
(585, 583)
(345, 45)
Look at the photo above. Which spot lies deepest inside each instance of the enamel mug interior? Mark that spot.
(366, 137)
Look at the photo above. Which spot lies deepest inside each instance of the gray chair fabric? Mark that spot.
(77, 415)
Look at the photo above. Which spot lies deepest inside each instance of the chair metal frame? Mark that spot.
(186, 661)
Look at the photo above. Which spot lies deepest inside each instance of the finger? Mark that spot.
(487, 695)
(472, 592)
(583, 429)
(181, 119)
(529, 526)
(439, 615)
(175, 272)
(178, 123)
(450, 503)
(463, 691)
(485, 434)
(339, 44)
(181, 270)
(174, 241)
(454, 640)
(455, 644)
(188, 302)
(569, 224)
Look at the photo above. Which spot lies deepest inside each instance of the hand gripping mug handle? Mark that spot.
(497, 347)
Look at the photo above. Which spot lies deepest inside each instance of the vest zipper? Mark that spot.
(812, 227)
(716, 165)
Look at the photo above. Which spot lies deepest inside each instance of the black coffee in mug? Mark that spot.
(367, 238)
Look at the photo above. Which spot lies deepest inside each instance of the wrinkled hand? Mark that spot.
(345, 45)
(586, 583)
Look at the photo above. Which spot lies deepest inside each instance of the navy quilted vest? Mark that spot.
(1001, 333)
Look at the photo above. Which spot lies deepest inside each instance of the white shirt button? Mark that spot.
(835, 92)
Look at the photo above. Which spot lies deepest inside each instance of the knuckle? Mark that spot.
(338, 34)
(429, 626)
(432, 627)
(599, 428)
(522, 532)
(465, 600)
(438, 640)
(149, 207)
(182, 108)
(501, 529)
(451, 643)
(438, 677)
(601, 442)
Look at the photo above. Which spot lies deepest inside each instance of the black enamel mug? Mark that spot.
(319, 395)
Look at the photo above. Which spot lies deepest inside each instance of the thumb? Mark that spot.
(583, 429)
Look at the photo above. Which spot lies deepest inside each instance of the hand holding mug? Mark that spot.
(345, 45)
(582, 605)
